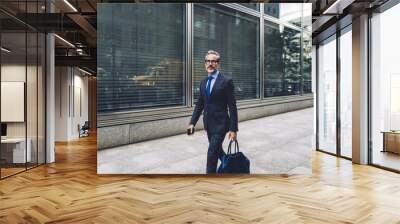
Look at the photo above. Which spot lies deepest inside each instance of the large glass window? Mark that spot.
(282, 60)
(385, 89)
(235, 35)
(273, 68)
(272, 9)
(329, 112)
(327, 95)
(346, 92)
(141, 53)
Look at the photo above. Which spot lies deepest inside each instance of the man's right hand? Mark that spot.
(190, 127)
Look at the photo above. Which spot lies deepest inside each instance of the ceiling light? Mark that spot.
(86, 72)
(65, 41)
(5, 50)
(79, 51)
(338, 6)
(331, 7)
(70, 5)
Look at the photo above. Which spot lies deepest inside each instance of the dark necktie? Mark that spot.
(208, 88)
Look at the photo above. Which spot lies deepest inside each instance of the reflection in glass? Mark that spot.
(140, 56)
(307, 58)
(288, 12)
(327, 95)
(282, 60)
(346, 94)
(235, 36)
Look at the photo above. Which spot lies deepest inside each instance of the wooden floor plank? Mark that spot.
(70, 191)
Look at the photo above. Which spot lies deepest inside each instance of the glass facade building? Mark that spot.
(141, 56)
(235, 35)
(151, 56)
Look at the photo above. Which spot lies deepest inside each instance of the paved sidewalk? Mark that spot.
(275, 144)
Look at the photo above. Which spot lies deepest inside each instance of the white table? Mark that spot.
(19, 154)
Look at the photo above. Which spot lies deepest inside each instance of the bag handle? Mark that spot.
(236, 147)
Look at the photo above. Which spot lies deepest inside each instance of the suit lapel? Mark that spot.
(216, 83)
(203, 88)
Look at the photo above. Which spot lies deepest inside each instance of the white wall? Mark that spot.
(12, 99)
(14, 73)
(71, 87)
(79, 117)
(62, 81)
(33, 125)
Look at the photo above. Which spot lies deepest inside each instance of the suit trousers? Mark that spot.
(215, 151)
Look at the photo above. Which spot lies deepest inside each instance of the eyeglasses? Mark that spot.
(211, 61)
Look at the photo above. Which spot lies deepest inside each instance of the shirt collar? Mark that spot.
(215, 74)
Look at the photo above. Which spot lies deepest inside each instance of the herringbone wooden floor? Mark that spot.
(70, 191)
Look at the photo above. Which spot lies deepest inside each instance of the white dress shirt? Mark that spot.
(214, 75)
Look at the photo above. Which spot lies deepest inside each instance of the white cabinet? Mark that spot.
(19, 155)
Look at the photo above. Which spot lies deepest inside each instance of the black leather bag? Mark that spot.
(234, 162)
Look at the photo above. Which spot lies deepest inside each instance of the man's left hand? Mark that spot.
(232, 136)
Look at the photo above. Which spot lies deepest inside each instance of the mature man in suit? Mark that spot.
(215, 98)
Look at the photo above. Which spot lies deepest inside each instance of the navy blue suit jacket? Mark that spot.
(215, 117)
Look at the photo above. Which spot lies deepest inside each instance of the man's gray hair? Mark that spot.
(212, 52)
